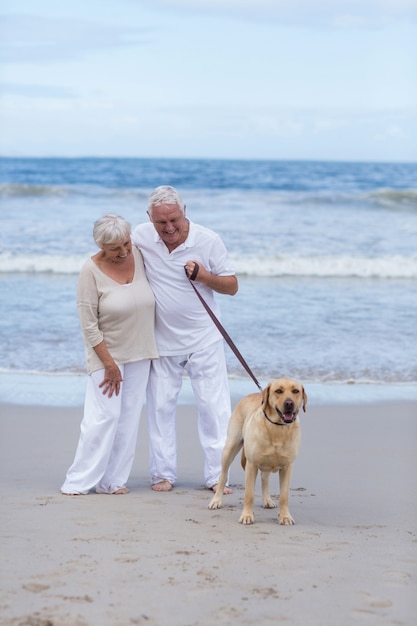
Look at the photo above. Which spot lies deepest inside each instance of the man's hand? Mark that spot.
(192, 269)
(221, 284)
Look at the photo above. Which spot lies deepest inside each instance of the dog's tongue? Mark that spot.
(288, 417)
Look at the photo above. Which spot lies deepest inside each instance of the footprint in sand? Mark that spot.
(35, 587)
(396, 577)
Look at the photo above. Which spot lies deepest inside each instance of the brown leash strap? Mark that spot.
(220, 327)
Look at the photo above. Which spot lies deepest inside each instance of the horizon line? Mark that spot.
(211, 158)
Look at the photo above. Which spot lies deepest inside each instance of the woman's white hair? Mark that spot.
(165, 195)
(110, 229)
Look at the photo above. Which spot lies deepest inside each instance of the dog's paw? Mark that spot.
(246, 519)
(285, 520)
(215, 503)
(268, 503)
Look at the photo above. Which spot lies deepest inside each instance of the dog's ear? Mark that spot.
(265, 394)
(304, 400)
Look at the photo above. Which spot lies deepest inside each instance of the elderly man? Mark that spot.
(186, 337)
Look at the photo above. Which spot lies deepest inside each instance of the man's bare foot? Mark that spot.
(164, 485)
(226, 490)
(120, 491)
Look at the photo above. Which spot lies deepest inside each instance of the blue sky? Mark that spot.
(253, 79)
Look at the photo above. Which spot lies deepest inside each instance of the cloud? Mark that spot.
(32, 38)
(333, 13)
(394, 131)
(34, 91)
(85, 127)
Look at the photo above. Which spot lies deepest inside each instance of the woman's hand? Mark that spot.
(112, 374)
(111, 381)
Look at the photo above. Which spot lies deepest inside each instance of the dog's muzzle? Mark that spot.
(288, 416)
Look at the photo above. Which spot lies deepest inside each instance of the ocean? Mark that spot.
(326, 256)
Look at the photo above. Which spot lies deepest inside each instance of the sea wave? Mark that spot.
(399, 197)
(389, 267)
(386, 196)
(10, 190)
(19, 190)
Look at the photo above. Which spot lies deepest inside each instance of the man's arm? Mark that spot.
(227, 285)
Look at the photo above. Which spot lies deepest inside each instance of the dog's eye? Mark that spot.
(296, 391)
(279, 391)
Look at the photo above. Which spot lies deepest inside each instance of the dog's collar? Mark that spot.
(277, 423)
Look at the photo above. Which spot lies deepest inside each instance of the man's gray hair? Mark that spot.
(110, 229)
(165, 195)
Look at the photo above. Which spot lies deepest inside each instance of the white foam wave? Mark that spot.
(40, 264)
(395, 267)
(329, 266)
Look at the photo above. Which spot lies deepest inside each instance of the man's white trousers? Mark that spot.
(208, 375)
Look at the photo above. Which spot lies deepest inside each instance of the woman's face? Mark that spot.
(117, 252)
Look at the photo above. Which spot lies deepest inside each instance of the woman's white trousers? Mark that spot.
(109, 429)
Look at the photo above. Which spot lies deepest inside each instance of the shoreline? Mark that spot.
(158, 559)
(63, 389)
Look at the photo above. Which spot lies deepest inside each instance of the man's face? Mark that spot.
(170, 223)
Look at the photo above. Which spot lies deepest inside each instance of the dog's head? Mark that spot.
(283, 398)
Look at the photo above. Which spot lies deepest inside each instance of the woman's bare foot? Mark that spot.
(164, 485)
(226, 490)
(120, 491)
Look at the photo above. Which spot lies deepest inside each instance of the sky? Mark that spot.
(248, 79)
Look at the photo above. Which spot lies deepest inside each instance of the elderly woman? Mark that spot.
(117, 309)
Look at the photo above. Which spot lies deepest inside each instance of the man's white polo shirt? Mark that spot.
(182, 324)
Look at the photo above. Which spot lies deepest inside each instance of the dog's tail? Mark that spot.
(243, 458)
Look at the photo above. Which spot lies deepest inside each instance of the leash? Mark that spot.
(219, 326)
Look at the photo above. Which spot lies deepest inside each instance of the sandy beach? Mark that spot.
(167, 560)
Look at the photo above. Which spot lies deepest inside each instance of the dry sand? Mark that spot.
(167, 560)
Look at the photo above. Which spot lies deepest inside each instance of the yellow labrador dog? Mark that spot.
(266, 425)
